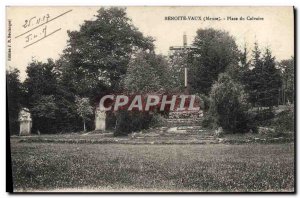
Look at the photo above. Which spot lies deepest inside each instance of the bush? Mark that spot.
(284, 121)
(260, 118)
(130, 121)
(110, 120)
(264, 116)
(227, 105)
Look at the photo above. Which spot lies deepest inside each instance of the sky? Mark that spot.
(40, 42)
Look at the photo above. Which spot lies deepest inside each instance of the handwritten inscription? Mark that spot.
(31, 37)
(36, 29)
(36, 20)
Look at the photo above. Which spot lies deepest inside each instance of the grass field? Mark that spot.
(118, 167)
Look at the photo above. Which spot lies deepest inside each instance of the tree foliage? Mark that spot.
(227, 104)
(215, 51)
(41, 80)
(147, 72)
(236, 71)
(262, 81)
(98, 54)
(84, 109)
(42, 85)
(45, 107)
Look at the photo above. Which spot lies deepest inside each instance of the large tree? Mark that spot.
(251, 78)
(262, 80)
(40, 83)
(41, 80)
(147, 72)
(52, 105)
(236, 71)
(271, 79)
(215, 51)
(44, 112)
(98, 54)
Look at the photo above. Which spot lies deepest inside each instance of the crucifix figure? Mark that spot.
(185, 48)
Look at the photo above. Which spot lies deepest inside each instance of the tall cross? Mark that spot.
(184, 49)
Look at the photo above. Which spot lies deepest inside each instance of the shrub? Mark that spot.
(227, 105)
(130, 121)
(284, 121)
(110, 120)
(260, 118)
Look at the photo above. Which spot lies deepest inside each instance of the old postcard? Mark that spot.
(150, 99)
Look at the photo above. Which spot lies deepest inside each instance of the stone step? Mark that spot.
(194, 132)
(189, 136)
(184, 121)
(185, 114)
(188, 130)
(173, 136)
(195, 127)
(183, 135)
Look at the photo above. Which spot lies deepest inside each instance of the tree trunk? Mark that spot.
(84, 129)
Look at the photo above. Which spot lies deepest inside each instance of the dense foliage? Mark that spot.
(97, 55)
(227, 104)
(147, 72)
(215, 51)
(262, 81)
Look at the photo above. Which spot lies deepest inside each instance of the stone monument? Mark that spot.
(100, 119)
(25, 122)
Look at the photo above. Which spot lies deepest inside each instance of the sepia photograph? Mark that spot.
(155, 99)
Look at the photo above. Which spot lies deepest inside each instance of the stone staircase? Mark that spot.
(179, 128)
(184, 118)
(188, 125)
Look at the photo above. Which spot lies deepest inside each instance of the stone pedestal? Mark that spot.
(100, 120)
(25, 122)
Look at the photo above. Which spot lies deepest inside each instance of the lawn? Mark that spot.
(120, 167)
